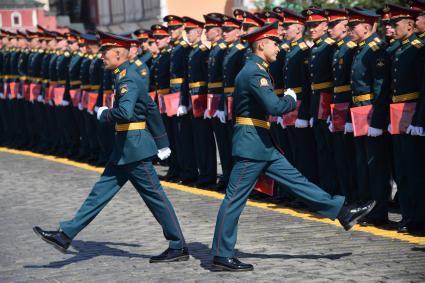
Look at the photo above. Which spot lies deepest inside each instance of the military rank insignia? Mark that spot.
(264, 82)
(122, 74)
(123, 89)
(143, 72)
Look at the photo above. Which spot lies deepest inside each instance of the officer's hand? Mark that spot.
(348, 128)
(207, 114)
(291, 93)
(331, 127)
(164, 153)
(374, 132)
(96, 108)
(280, 122)
(300, 123)
(1, 95)
(182, 110)
(64, 103)
(328, 120)
(311, 122)
(80, 106)
(389, 128)
(40, 98)
(420, 131)
(220, 115)
(50, 103)
(100, 110)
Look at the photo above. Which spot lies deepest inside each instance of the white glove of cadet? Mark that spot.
(182, 110)
(420, 131)
(164, 153)
(311, 122)
(348, 128)
(389, 128)
(50, 103)
(64, 103)
(207, 114)
(291, 93)
(96, 108)
(300, 123)
(1, 95)
(280, 122)
(374, 132)
(328, 121)
(20, 96)
(80, 106)
(331, 127)
(220, 115)
(100, 110)
(40, 98)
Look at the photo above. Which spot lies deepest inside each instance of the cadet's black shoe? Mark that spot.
(231, 264)
(170, 255)
(56, 238)
(349, 215)
(221, 186)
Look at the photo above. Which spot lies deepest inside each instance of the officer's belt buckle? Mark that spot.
(228, 90)
(163, 91)
(130, 126)
(197, 84)
(252, 122)
(342, 88)
(406, 97)
(363, 97)
(215, 85)
(320, 86)
(176, 81)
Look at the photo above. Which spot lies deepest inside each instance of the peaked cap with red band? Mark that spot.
(314, 15)
(291, 17)
(142, 34)
(250, 19)
(270, 17)
(213, 20)
(336, 15)
(385, 14)
(362, 16)
(113, 40)
(192, 23)
(159, 31)
(239, 14)
(269, 31)
(398, 12)
(173, 20)
(230, 22)
(417, 5)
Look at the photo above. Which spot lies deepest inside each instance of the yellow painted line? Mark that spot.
(211, 194)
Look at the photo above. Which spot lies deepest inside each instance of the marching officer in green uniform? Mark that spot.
(214, 35)
(320, 65)
(130, 160)
(181, 123)
(407, 71)
(370, 86)
(341, 67)
(301, 150)
(255, 153)
(197, 78)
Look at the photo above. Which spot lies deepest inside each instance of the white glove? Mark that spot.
(164, 153)
(20, 96)
(348, 128)
(328, 121)
(50, 103)
(420, 131)
(99, 111)
(1, 95)
(291, 93)
(280, 122)
(96, 108)
(80, 106)
(64, 103)
(389, 128)
(300, 123)
(374, 132)
(311, 122)
(331, 127)
(40, 98)
(220, 115)
(207, 114)
(182, 110)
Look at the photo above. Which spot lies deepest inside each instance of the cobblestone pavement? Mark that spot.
(117, 244)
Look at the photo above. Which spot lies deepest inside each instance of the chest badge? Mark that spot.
(264, 82)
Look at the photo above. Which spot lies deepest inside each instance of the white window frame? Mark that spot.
(12, 16)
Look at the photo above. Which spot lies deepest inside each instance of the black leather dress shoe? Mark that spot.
(56, 238)
(349, 215)
(170, 255)
(231, 264)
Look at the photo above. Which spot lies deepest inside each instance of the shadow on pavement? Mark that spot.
(86, 250)
(202, 253)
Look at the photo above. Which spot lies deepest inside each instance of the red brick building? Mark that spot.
(24, 14)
